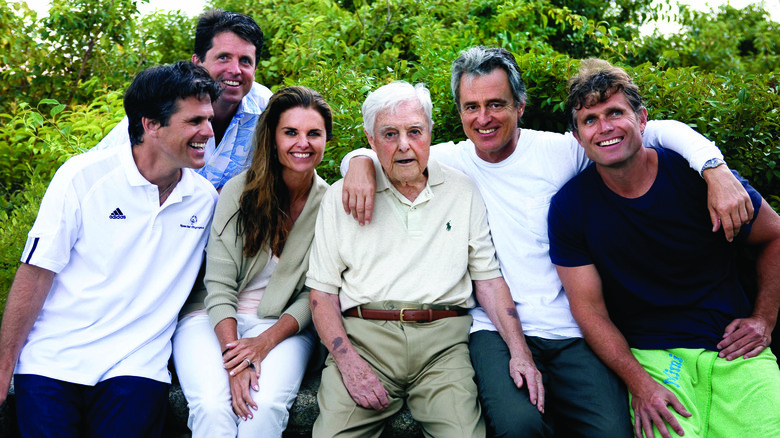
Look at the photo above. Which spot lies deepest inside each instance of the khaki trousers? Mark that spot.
(425, 363)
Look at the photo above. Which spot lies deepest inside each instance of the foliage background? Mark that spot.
(61, 77)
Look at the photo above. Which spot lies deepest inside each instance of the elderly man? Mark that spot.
(653, 289)
(228, 45)
(108, 264)
(517, 171)
(403, 285)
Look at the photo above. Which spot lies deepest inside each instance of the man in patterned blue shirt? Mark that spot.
(228, 45)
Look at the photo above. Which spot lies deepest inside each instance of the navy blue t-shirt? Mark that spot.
(668, 280)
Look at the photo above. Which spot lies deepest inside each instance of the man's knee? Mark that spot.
(516, 421)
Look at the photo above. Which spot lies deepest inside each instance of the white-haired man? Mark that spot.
(404, 286)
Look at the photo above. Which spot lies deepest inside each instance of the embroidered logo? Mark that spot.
(673, 372)
(449, 226)
(117, 214)
(193, 223)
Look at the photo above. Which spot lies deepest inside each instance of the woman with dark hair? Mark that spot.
(256, 263)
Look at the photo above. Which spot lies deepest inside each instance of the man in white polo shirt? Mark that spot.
(107, 266)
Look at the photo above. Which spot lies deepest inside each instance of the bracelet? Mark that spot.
(226, 350)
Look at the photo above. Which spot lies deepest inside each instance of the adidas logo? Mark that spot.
(117, 214)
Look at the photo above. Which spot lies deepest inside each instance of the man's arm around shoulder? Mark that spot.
(25, 300)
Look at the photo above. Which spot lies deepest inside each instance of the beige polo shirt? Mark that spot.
(426, 251)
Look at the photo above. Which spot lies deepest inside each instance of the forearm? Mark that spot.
(611, 347)
(25, 300)
(768, 280)
(765, 234)
(683, 139)
(495, 299)
(227, 332)
(326, 314)
(362, 153)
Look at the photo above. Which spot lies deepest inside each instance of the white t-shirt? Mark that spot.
(517, 193)
(124, 266)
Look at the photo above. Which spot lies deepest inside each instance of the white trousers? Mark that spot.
(204, 380)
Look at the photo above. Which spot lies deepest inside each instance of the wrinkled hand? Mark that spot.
(525, 371)
(746, 337)
(650, 408)
(728, 201)
(363, 385)
(359, 189)
(240, 385)
(254, 349)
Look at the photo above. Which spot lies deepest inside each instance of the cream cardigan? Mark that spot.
(228, 271)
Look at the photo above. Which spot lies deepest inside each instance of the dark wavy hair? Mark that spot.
(597, 81)
(215, 21)
(265, 202)
(156, 91)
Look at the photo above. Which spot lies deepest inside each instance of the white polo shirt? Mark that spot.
(124, 266)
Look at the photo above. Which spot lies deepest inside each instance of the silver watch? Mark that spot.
(712, 163)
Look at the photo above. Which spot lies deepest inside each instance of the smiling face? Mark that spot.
(300, 139)
(402, 141)
(610, 131)
(181, 143)
(231, 62)
(489, 114)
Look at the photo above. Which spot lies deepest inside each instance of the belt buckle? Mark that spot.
(401, 315)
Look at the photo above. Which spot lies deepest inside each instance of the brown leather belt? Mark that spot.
(404, 315)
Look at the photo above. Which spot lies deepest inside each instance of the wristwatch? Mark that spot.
(712, 163)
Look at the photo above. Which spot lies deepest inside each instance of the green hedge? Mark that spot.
(344, 49)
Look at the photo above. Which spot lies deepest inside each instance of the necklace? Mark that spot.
(169, 188)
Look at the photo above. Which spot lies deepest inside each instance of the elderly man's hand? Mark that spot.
(359, 189)
(728, 201)
(524, 370)
(362, 383)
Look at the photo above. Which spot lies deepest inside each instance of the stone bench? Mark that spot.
(302, 415)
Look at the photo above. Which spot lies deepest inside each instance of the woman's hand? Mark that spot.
(246, 353)
(240, 385)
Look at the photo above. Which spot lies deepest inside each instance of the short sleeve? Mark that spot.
(57, 225)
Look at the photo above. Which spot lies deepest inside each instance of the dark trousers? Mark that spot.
(583, 398)
(123, 406)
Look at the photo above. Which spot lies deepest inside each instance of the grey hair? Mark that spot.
(390, 96)
(480, 61)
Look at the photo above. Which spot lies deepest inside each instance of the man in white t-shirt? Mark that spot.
(228, 45)
(110, 260)
(517, 172)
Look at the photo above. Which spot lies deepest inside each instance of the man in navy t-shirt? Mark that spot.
(653, 289)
